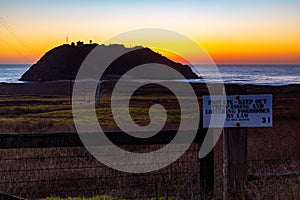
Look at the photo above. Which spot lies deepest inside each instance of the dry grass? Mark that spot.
(105, 197)
(73, 172)
(270, 150)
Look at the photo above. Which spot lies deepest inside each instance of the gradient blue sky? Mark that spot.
(258, 31)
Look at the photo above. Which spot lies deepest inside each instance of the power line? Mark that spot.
(14, 34)
(18, 38)
(25, 57)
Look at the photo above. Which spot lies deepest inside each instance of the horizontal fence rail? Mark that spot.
(40, 165)
(4, 196)
(257, 176)
(44, 140)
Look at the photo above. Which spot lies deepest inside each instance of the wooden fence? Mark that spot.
(56, 164)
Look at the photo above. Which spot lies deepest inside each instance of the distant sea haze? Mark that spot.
(256, 74)
(243, 74)
(10, 73)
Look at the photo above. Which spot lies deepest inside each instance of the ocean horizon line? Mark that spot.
(221, 64)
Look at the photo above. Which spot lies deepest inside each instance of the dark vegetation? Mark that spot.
(270, 150)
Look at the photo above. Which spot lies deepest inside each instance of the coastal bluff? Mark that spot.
(63, 63)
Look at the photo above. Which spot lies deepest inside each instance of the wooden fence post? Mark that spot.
(206, 165)
(207, 173)
(235, 155)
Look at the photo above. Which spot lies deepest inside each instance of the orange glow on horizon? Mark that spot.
(230, 52)
(231, 31)
(219, 57)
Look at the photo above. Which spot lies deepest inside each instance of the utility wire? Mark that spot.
(18, 38)
(24, 56)
(14, 34)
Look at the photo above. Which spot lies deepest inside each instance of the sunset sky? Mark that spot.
(238, 32)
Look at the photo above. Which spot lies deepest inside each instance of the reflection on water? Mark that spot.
(243, 74)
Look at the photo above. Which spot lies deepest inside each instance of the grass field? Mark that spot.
(270, 150)
(106, 198)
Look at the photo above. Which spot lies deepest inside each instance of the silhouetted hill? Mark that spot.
(63, 62)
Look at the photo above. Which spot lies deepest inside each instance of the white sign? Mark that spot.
(238, 110)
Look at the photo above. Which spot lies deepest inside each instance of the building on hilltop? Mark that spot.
(79, 44)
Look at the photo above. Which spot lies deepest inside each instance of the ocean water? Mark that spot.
(253, 74)
(10, 73)
(244, 74)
